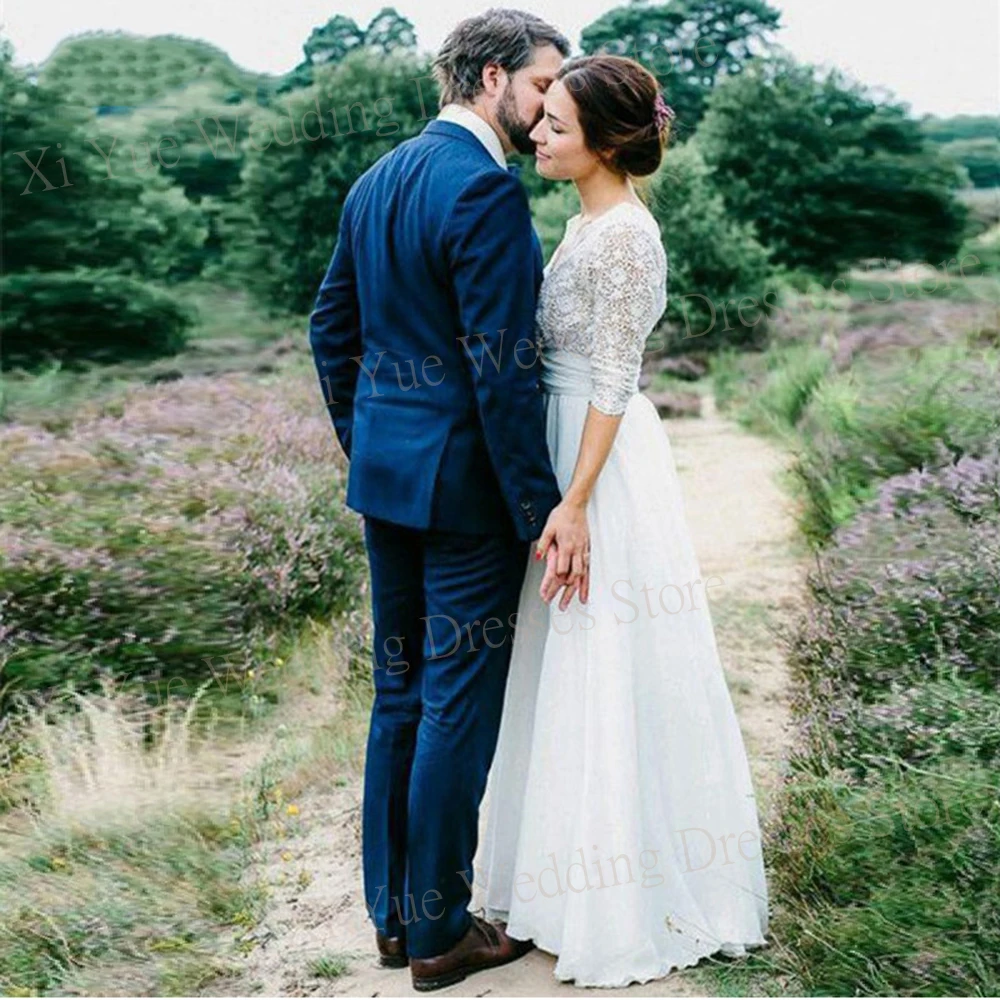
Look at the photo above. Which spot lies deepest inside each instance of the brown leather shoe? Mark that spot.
(391, 951)
(484, 946)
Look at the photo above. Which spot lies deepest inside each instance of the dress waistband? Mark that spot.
(565, 373)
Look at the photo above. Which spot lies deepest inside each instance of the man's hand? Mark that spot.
(565, 544)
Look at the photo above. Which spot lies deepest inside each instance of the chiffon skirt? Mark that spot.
(620, 828)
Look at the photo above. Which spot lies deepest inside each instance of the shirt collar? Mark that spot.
(461, 115)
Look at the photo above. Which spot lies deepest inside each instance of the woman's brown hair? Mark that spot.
(615, 98)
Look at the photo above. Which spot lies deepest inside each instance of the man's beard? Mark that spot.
(508, 120)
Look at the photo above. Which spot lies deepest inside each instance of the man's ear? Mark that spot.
(493, 78)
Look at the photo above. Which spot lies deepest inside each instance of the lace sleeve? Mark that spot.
(627, 273)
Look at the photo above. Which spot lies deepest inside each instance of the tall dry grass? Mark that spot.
(123, 859)
(117, 761)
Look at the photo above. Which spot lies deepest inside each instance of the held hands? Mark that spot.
(565, 544)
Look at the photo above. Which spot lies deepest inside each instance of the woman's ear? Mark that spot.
(607, 158)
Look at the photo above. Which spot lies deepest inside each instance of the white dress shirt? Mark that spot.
(482, 130)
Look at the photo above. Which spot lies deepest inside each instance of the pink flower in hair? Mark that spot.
(663, 114)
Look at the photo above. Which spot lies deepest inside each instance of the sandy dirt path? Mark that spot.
(742, 526)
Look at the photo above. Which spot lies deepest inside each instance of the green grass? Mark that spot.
(876, 421)
(152, 899)
(891, 888)
(125, 869)
(230, 318)
(885, 889)
(887, 287)
(329, 966)
(794, 373)
(155, 893)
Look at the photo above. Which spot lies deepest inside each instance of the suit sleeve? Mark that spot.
(335, 334)
(491, 261)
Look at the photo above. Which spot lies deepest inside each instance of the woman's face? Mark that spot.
(560, 151)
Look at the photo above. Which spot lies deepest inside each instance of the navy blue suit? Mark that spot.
(423, 338)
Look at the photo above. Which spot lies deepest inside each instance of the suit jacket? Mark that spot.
(423, 337)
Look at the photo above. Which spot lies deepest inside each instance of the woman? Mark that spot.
(621, 830)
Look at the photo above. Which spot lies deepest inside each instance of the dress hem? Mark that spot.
(633, 979)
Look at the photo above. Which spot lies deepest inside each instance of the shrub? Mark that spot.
(170, 533)
(887, 852)
(910, 591)
(96, 315)
(795, 371)
(919, 724)
(712, 259)
(885, 423)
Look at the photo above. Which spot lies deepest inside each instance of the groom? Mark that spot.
(423, 338)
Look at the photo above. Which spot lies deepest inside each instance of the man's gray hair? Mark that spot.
(499, 35)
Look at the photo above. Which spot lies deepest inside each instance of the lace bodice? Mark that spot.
(604, 290)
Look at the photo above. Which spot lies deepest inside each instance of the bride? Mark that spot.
(621, 830)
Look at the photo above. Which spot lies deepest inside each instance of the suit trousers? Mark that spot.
(444, 607)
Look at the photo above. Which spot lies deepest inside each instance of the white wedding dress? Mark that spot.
(621, 830)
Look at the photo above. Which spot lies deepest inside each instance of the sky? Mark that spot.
(939, 58)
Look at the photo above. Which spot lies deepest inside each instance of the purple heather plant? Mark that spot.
(190, 521)
(907, 595)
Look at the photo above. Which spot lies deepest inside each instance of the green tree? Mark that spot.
(687, 44)
(981, 157)
(550, 212)
(83, 233)
(388, 31)
(71, 195)
(283, 232)
(717, 270)
(960, 127)
(333, 40)
(120, 71)
(326, 44)
(826, 173)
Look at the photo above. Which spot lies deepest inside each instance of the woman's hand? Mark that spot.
(565, 544)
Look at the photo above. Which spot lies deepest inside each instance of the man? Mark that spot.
(423, 337)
